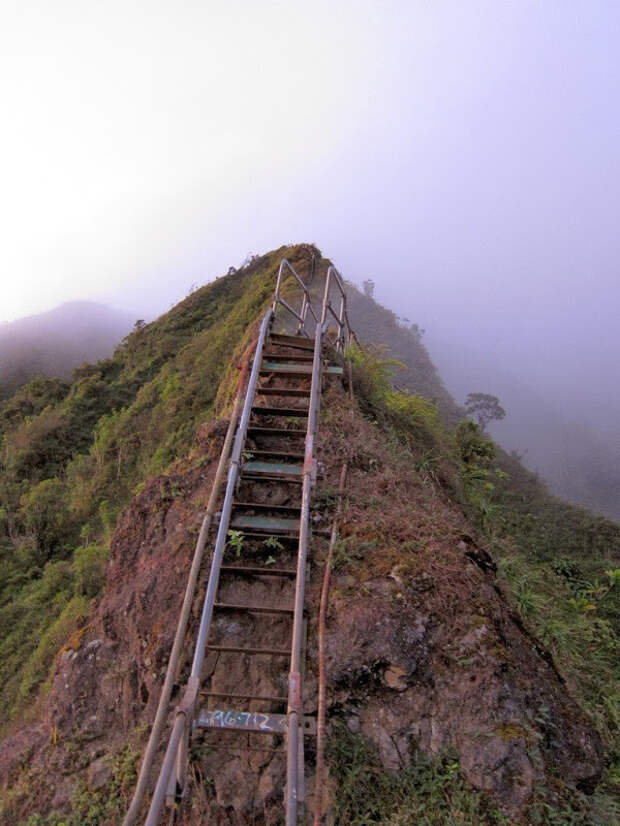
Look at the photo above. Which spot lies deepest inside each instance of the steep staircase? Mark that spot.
(253, 625)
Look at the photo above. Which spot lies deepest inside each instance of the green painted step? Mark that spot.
(277, 454)
(273, 468)
(272, 524)
(282, 367)
(298, 369)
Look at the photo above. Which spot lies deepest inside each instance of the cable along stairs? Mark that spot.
(253, 623)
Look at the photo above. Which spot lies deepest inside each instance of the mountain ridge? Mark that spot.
(102, 484)
(55, 342)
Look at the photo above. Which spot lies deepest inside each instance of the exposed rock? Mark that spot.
(99, 773)
(423, 653)
(396, 677)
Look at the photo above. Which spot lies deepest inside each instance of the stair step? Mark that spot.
(268, 368)
(278, 454)
(264, 698)
(301, 342)
(260, 721)
(242, 721)
(293, 412)
(258, 534)
(265, 506)
(245, 570)
(297, 370)
(253, 609)
(268, 524)
(277, 469)
(282, 391)
(281, 357)
(235, 649)
(275, 431)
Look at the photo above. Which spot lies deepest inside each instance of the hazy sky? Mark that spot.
(463, 154)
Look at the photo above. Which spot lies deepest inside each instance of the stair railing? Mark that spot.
(176, 751)
(306, 304)
(342, 320)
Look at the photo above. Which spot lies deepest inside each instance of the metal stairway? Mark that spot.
(253, 610)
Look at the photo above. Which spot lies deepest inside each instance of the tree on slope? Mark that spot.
(484, 407)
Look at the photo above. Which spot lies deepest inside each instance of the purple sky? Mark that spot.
(463, 154)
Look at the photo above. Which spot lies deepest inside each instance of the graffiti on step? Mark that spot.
(251, 720)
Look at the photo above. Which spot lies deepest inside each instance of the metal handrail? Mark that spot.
(177, 744)
(306, 304)
(345, 332)
(294, 747)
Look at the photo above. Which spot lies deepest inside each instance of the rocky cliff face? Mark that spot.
(424, 651)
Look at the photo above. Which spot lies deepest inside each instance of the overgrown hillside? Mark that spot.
(54, 343)
(473, 627)
(72, 454)
(400, 340)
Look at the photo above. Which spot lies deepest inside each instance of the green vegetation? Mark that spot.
(484, 407)
(73, 454)
(94, 807)
(425, 793)
(375, 325)
(560, 563)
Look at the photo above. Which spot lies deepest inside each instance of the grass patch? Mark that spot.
(425, 793)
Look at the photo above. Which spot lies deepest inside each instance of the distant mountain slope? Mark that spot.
(55, 342)
(557, 439)
(376, 325)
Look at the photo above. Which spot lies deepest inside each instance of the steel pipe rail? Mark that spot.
(344, 328)
(306, 304)
(294, 749)
(186, 710)
(164, 697)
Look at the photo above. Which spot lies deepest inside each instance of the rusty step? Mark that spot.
(296, 370)
(235, 649)
(264, 698)
(244, 570)
(300, 342)
(261, 410)
(275, 431)
(265, 506)
(287, 357)
(282, 391)
(253, 609)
